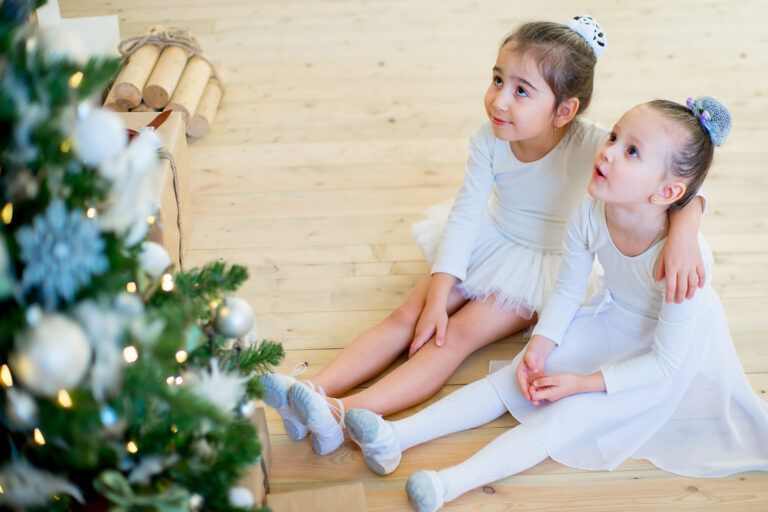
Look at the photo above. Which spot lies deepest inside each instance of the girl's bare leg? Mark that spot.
(475, 325)
(374, 350)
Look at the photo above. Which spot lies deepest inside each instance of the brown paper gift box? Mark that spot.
(173, 223)
(336, 498)
(256, 478)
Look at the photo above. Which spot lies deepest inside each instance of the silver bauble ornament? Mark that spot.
(240, 497)
(234, 317)
(99, 137)
(50, 356)
(154, 259)
(21, 408)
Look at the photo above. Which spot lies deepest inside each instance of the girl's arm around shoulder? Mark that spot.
(680, 260)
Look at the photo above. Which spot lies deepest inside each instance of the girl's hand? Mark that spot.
(532, 365)
(555, 387)
(432, 322)
(682, 264)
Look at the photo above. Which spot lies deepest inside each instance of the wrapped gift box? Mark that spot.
(173, 223)
(257, 477)
(347, 497)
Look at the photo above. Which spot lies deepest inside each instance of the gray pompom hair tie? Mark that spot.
(587, 27)
(713, 116)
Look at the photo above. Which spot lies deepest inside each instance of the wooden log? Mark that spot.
(206, 110)
(114, 104)
(190, 89)
(133, 77)
(164, 78)
(143, 107)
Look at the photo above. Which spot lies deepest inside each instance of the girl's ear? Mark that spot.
(566, 111)
(669, 193)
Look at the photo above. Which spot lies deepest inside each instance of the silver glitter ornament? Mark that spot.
(234, 317)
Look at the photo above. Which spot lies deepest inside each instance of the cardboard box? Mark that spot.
(257, 477)
(173, 224)
(259, 417)
(347, 497)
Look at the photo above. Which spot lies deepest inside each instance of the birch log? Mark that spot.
(165, 77)
(206, 110)
(190, 88)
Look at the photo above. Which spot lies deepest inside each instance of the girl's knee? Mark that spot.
(406, 315)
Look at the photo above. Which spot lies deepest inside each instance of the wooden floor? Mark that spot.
(343, 120)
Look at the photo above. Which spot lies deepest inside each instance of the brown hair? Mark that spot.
(691, 160)
(565, 60)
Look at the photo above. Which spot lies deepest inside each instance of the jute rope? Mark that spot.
(168, 156)
(173, 36)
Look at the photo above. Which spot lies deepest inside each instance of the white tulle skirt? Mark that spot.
(703, 421)
(519, 278)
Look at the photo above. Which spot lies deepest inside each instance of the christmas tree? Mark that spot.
(124, 383)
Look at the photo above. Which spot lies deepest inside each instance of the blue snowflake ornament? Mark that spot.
(61, 250)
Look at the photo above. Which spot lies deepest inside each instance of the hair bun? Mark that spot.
(587, 27)
(713, 116)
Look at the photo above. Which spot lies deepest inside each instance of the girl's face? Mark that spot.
(630, 168)
(519, 103)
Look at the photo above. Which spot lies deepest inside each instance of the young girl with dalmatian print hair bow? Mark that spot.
(625, 375)
(496, 248)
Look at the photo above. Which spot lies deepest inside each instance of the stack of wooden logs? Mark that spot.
(156, 78)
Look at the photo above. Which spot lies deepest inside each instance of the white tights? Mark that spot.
(475, 404)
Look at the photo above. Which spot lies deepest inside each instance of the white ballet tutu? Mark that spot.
(703, 421)
(518, 277)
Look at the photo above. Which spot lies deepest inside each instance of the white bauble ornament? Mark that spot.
(59, 44)
(21, 408)
(240, 497)
(234, 317)
(154, 259)
(99, 137)
(195, 502)
(52, 355)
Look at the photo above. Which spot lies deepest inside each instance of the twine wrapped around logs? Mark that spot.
(173, 36)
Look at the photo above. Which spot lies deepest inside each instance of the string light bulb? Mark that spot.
(5, 376)
(131, 447)
(90, 212)
(7, 213)
(179, 380)
(76, 79)
(39, 439)
(181, 356)
(170, 380)
(151, 220)
(130, 354)
(131, 287)
(166, 283)
(64, 399)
